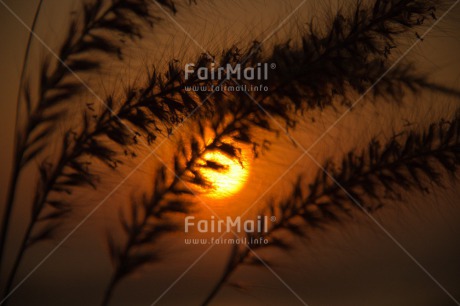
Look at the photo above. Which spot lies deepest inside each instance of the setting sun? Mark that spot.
(228, 181)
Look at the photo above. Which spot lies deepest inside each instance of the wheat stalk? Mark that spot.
(99, 18)
(149, 219)
(351, 53)
(378, 173)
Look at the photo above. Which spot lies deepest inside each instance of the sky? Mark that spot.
(407, 263)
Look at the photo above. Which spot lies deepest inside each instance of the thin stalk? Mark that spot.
(16, 165)
(217, 287)
(16, 264)
(30, 227)
(109, 290)
(234, 262)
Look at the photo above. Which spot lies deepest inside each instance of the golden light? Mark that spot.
(228, 181)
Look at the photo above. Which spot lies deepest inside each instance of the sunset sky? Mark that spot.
(405, 259)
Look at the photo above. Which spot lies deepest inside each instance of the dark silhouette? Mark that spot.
(325, 66)
(409, 161)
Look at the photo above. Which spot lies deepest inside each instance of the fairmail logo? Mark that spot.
(229, 224)
(228, 72)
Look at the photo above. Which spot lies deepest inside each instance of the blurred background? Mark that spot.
(353, 264)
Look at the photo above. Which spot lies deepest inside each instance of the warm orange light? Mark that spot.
(225, 182)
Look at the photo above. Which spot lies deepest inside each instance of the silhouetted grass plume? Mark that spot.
(361, 182)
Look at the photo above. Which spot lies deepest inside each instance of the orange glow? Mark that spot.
(228, 181)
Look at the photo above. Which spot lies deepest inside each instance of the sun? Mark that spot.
(228, 181)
